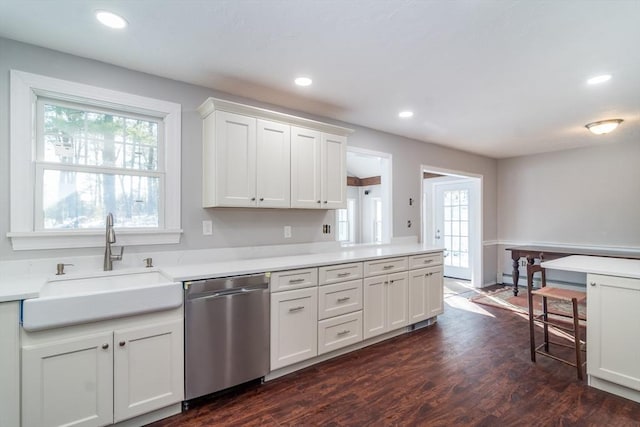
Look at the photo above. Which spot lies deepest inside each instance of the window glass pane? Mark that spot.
(455, 229)
(82, 200)
(464, 213)
(455, 259)
(464, 228)
(447, 198)
(455, 244)
(464, 197)
(455, 213)
(76, 135)
(447, 242)
(455, 197)
(447, 213)
(447, 228)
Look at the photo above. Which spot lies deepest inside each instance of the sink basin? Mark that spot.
(70, 300)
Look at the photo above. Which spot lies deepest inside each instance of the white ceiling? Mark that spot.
(495, 77)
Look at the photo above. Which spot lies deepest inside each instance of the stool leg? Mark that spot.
(532, 339)
(576, 336)
(546, 325)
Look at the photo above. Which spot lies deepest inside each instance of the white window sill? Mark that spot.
(23, 241)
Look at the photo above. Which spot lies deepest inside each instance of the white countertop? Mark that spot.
(598, 265)
(20, 287)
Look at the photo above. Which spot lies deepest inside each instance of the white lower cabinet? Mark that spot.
(100, 378)
(294, 326)
(425, 293)
(613, 332)
(385, 303)
(339, 331)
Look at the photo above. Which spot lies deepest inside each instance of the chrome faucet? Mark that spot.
(110, 237)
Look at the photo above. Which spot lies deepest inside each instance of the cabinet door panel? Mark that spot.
(273, 165)
(305, 168)
(613, 328)
(418, 310)
(235, 159)
(398, 299)
(68, 382)
(334, 171)
(148, 369)
(435, 291)
(294, 326)
(375, 306)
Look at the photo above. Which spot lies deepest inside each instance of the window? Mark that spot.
(345, 218)
(377, 220)
(93, 151)
(456, 227)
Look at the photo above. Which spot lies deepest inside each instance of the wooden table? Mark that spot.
(547, 253)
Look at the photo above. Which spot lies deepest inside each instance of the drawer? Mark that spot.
(339, 273)
(384, 266)
(339, 332)
(341, 298)
(294, 279)
(425, 260)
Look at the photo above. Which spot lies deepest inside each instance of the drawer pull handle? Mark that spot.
(296, 280)
(105, 346)
(294, 309)
(427, 261)
(592, 283)
(343, 299)
(344, 274)
(387, 267)
(345, 332)
(122, 343)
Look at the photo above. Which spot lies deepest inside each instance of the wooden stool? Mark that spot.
(563, 295)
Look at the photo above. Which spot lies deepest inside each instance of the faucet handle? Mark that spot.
(148, 262)
(118, 257)
(60, 268)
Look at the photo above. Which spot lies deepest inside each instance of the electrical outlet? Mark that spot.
(287, 231)
(409, 224)
(207, 228)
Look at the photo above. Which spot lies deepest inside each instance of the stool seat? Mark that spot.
(573, 328)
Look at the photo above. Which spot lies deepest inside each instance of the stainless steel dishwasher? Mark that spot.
(226, 332)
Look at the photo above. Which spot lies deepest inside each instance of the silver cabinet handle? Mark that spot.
(293, 309)
(262, 199)
(592, 283)
(427, 261)
(253, 199)
(105, 346)
(345, 332)
(344, 274)
(387, 267)
(318, 201)
(325, 201)
(296, 280)
(122, 343)
(343, 299)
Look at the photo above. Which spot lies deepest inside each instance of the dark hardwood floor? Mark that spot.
(472, 368)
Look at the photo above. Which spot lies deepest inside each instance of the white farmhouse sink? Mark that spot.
(69, 300)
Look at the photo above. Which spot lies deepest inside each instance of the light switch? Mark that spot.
(207, 228)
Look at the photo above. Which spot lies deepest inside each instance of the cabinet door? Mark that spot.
(397, 301)
(294, 326)
(435, 291)
(305, 168)
(69, 382)
(375, 306)
(148, 369)
(273, 165)
(613, 329)
(235, 174)
(334, 171)
(418, 297)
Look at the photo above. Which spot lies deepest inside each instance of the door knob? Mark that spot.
(437, 234)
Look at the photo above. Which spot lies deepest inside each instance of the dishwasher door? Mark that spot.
(226, 333)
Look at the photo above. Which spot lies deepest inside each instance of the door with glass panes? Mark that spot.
(452, 227)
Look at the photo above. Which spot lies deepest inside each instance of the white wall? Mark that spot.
(232, 227)
(581, 197)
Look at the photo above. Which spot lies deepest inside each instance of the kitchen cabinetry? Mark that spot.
(385, 296)
(95, 375)
(251, 155)
(294, 319)
(318, 169)
(425, 287)
(9, 363)
(613, 348)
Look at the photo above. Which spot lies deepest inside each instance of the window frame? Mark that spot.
(25, 90)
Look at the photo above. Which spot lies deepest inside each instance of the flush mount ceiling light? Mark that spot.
(110, 19)
(405, 114)
(603, 126)
(599, 79)
(303, 81)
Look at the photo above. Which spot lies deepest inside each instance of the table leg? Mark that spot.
(515, 274)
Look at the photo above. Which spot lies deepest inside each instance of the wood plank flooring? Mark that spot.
(471, 368)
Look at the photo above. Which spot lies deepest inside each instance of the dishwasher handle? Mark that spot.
(229, 292)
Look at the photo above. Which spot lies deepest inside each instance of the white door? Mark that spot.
(148, 369)
(68, 382)
(397, 301)
(294, 326)
(272, 165)
(305, 168)
(434, 291)
(453, 228)
(418, 304)
(375, 306)
(235, 160)
(334, 171)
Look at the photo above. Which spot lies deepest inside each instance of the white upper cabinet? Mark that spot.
(259, 158)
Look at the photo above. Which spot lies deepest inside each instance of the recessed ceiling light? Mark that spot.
(603, 126)
(405, 114)
(111, 20)
(303, 81)
(599, 79)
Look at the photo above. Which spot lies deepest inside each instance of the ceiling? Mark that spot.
(500, 78)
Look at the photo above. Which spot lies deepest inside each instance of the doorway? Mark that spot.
(452, 218)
